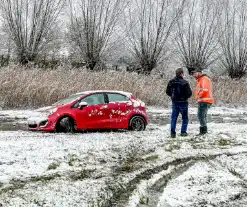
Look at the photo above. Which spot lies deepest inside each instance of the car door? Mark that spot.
(118, 108)
(92, 116)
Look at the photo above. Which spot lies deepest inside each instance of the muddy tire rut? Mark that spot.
(121, 182)
(121, 192)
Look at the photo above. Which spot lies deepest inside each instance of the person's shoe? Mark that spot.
(173, 135)
(184, 134)
(203, 131)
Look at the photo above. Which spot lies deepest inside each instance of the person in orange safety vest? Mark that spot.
(203, 97)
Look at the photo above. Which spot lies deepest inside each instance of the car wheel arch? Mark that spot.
(62, 117)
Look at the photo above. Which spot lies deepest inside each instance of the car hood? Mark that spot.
(40, 114)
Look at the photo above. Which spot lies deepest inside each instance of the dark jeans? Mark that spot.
(202, 113)
(176, 109)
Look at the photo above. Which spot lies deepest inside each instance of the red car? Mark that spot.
(92, 110)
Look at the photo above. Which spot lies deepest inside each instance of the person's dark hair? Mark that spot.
(179, 71)
(196, 70)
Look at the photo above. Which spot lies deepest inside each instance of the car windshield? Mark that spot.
(69, 99)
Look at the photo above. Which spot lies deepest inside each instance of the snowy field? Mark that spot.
(126, 169)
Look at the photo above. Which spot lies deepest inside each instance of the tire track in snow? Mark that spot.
(122, 191)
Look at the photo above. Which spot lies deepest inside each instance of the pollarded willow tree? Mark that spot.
(197, 33)
(233, 42)
(30, 24)
(149, 24)
(92, 25)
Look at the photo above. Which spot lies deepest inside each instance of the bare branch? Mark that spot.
(29, 24)
(197, 34)
(148, 26)
(92, 26)
(233, 42)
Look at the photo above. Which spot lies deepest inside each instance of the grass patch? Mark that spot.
(152, 158)
(81, 175)
(44, 178)
(18, 184)
(127, 167)
(53, 166)
(171, 147)
(144, 201)
(235, 173)
(72, 159)
(223, 142)
(129, 161)
(38, 203)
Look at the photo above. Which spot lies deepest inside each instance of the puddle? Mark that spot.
(161, 119)
(10, 124)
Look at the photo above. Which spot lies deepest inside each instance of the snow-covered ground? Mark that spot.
(127, 168)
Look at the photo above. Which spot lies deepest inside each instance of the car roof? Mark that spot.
(128, 94)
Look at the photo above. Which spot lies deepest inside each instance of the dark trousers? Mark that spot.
(176, 109)
(202, 113)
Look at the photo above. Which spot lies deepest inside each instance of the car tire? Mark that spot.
(137, 123)
(66, 125)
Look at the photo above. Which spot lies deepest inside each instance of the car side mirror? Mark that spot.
(82, 104)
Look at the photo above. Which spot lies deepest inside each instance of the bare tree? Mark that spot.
(149, 24)
(92, 26)
(197, 34)
(30, 23)
(233, 42)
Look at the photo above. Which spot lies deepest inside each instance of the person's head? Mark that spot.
(197, 73)
(180, 72)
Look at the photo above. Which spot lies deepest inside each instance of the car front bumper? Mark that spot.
(41, 124)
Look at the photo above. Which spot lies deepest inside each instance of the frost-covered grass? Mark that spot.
(206, 184)
(27, 155)
(96, 169)
(22, 87)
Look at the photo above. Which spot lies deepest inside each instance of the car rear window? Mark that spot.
(114, 97)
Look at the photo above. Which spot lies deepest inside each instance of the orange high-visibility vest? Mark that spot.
(204, 91)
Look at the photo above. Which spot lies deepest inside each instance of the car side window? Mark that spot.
(94, 99)
(114, 97)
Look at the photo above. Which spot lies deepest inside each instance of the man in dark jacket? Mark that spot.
(179, 90)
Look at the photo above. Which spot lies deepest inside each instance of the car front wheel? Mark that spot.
(137, 123)
(67, 125)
